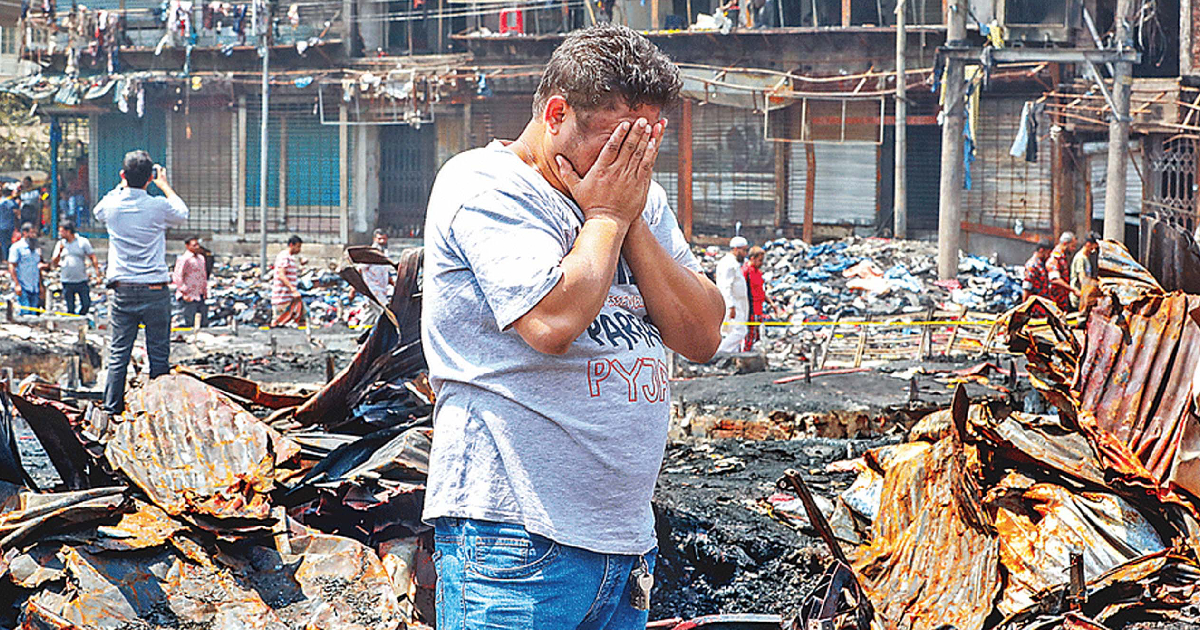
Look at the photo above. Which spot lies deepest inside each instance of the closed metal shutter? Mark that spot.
(1006, 189)
(666, 169)
(733, 170)
(924, 176)
(1133, 184)
(313, 165)
(117, 134)
(201, 168)
(846, 186)
(407, 167)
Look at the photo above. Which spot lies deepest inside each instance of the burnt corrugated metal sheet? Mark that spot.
(196, 453)
(1135, 379)
(929, 565)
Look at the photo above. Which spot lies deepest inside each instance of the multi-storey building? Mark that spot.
(786, 128)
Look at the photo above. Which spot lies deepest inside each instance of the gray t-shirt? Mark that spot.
(73, 258)
(567, 446)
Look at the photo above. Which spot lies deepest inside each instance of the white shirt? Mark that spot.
(137, 228)
(732, 283)
(377, 279)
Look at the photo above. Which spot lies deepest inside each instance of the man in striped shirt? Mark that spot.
(286, 304)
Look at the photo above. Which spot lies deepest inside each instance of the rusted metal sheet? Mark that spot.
(1035, 545)
(247, 390)
(26, 516)
(197, 454)
(1135, 379)
(304, 580)
(929, 564)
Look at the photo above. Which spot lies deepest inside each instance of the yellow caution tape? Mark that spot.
(44, 311)
(981, 322)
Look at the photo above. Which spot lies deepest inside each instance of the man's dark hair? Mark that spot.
(68, 225)
(139, 168)
(380, 232)
(26, 226)
(27, 179)
(295, 240)
(595, 68)
(191, 239)
(1092, 238)
(1045, 244)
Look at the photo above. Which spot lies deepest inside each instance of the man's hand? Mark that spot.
(17, 286)
(617, 184)
(160, 180)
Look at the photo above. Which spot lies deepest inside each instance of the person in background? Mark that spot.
(26, 266)
(287, 305)
(732, 285)
(378, 278)
(190, 278)
(31, 203)
(1058, 271)
(10, 210)
(1036, 282)
(752, 270)
(1083, 268)
(71, 254)
(137, 269)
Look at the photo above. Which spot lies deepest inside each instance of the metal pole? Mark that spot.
(900, 201)
(55, 140)
(954, 112)
(1118, 131)
(262, 144)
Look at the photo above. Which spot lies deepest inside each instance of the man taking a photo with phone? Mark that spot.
(137, 269)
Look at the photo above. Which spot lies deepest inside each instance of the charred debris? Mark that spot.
(217, 502)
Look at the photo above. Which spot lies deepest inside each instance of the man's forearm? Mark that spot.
(573, 304)
(686, 307)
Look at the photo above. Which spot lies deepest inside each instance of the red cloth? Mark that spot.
(758, 295)
(758, 291)
(190, 277)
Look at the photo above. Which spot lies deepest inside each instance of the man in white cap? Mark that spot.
(732, 285)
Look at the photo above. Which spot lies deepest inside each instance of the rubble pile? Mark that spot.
(238, 291)
(861, 277)
(213, 502)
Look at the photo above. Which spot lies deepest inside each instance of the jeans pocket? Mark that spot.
(510, 558)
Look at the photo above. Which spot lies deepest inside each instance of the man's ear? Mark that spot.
(555, 113)
(122, 174)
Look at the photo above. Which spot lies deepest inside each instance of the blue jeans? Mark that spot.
(80, 290)
(31, 297)
(499, 576)
(133, 305)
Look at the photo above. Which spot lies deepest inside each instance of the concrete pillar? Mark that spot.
(1118, 131)
(954, 113)
(365, 212)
